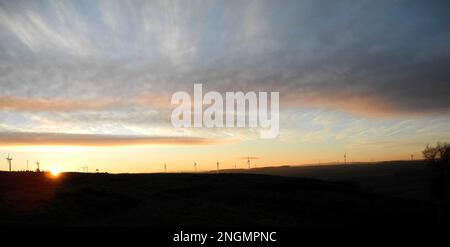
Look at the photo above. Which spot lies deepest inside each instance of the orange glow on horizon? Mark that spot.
(55, 172)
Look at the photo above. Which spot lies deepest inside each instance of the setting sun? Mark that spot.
(54, 172)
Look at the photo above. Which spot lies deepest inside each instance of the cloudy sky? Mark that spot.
(87, 82)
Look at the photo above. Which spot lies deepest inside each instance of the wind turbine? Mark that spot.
(217, 164)
(248, 158)
(412, 156)
(37, 164)
(165, 167)
(195, 166)
(8, 160)
(85, 168)
(345, 158)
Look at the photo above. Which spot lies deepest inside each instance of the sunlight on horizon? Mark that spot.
(55, 172)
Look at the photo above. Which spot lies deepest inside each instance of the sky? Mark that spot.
(90, 82)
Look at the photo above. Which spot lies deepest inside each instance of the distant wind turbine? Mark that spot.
(37, 164)
(248, 158)
(8, 160)
(84, 168)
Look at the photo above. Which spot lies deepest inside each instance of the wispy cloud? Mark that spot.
(64, 139)
(99, 66)
(374, 55)
(22, 104)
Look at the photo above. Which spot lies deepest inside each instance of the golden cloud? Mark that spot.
(21, 104)
(65, 139)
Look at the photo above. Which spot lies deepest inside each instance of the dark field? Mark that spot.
(406, 179)
(326, 196)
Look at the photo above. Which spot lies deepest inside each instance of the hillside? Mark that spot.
(80, 199)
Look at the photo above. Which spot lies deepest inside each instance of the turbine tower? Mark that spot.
(37, 164)
(248, 162)
(84, 168)
(345, 158)
(195, 166)
(412, 156)
(8, 160)
(165, 167)
(217, 164)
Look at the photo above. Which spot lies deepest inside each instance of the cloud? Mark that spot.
(10, 103)
(20, 104)
(40, 33)
(64, 139)
(372, 58)
(361, 104)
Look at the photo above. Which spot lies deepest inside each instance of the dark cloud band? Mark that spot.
(64, 139)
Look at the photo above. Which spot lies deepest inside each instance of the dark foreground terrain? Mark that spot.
(405, 179)
(80, 199)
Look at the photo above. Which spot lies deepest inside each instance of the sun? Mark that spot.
(54, 172)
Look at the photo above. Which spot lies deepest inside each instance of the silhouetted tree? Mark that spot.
(430, 153)
(438, 157)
